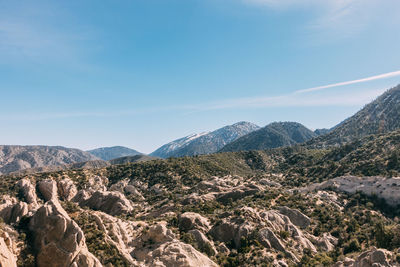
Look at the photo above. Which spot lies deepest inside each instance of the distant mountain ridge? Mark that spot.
(380, 116)
(15, 158)
(131, 159)
(206, 142)
(109, 153)
(276, 134)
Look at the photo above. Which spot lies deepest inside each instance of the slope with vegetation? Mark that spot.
(379, 116)
(276, 134)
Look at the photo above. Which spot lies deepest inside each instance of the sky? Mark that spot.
(141, 73)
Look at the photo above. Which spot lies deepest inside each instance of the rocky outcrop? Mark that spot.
(224, 231)
(239, 192)
(227, 188)
(268, 239)
(325, 243)
(203, 243)
(12, 210)
(119, 233)
(195, 198)
(296, 217)
(371, 258)
(58, 240)
(176, 254)
(386, 188)
(271, 224)
(48, 189)
(97, 183)
(124, 187)
(159, 247)
(325, 197)
(7, 256)
(67, 189)
(113, 203)
(190, 220)
(28, 191)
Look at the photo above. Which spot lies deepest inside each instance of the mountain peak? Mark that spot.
(206, 142)
(275, 134)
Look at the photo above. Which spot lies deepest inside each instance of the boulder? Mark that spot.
(58, 240)
(82, 196)
(203, 243)
(232, 231)
(7, 257)
(48, 189)
(224, 231)
(67, 189)
(177, 254)
(195, 198)
(119, 233)
(119, 186)
(97, 183)
(131, 190)
(268, 239)
(278, 222)
(158, 247)
(239, 192)
(371, 258)
(12, 210)
(123, 186)
(158, 233)
(374, 257)
(191, 220)
(28, 191)
(296, 217)
(326, 242)
(113, 203)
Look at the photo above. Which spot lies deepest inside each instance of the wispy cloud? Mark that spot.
(363, 80)
(305, 97)
(310, 97)
(294, 100)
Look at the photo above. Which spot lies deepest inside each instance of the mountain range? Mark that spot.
(379, 116)
(15, 158)
(205, 143)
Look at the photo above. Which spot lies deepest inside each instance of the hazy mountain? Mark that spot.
(131, 159)
(205, 143)
(109, 153)
(92, 164)
(322, 131)
(16, 158)
(276, 134)
(380, 116)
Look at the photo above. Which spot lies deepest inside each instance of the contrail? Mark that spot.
(372, 78)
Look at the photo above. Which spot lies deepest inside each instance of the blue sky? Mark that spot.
(141, 73)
